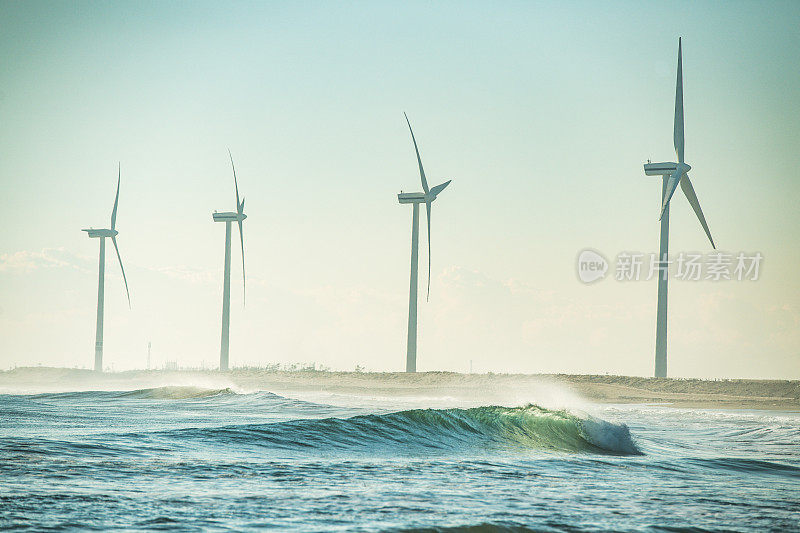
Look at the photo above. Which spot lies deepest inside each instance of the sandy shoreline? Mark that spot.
(500, 388)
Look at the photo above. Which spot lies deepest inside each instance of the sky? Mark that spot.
(542, 114)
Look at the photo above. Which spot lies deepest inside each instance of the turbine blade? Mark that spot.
(419, 160)
(688, 191)
(114, 240)
(241, 239)
(116, 198)
(678, 130)
(428, 218)
(235, 183)
(672, 184)
(439, 188)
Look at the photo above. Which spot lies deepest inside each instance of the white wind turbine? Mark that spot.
(417, 198)
(229, 217)
(672, 175)
(102, 234)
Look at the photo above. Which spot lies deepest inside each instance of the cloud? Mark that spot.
(28, 261)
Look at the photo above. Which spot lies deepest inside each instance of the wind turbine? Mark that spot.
(227, 218)
(102, 234)
(417, 198)
(672, 175)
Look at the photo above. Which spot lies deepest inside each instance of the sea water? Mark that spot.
(190, 459)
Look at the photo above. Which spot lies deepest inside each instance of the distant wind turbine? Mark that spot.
(102, 234)
(229, 217)
(672, 175)
(417, 198)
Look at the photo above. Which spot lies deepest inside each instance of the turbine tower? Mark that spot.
(672, 174)
(227, 218)
(102, 234)
(416, 198)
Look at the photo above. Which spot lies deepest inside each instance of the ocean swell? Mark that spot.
(529, 427)
(175, 393)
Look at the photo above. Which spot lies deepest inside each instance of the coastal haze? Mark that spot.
(450, 389)
(541, 114)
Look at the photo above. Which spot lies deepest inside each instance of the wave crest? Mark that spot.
(175, 393)
(529, 427)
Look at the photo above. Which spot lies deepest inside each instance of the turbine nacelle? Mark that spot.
(665, 169)
(229, 217)
(411, 197)
(97, 233)
(421, 197)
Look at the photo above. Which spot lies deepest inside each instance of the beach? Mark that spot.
(501, 389)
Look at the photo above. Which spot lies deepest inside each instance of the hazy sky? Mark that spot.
(541, 113)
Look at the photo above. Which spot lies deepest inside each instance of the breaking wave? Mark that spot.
(415, 431)
(435, 429)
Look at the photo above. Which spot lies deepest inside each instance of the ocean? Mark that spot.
(189, 458)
